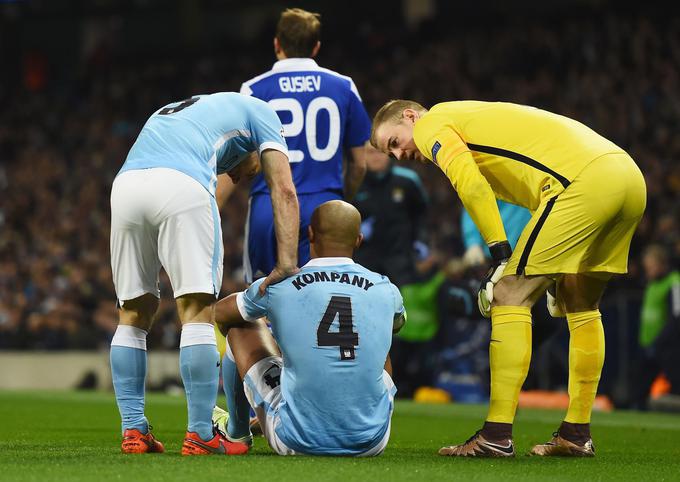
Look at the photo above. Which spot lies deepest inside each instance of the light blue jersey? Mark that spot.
(333, 322)
(206, 135)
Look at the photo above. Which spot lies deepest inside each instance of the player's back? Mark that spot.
(333, 323)
(526, 154)
(321, 113)
(203, 136)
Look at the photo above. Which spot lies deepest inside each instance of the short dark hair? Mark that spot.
(298, 32)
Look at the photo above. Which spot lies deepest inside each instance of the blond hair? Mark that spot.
(298, 32)
(392, 112)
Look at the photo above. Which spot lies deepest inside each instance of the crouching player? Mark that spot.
(318, 385)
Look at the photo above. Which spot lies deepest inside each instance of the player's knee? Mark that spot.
(507, 292)
(196, 307)
(139, 312)
(579, 305)
(519, 290)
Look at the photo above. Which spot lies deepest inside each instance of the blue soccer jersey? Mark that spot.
(206, 135)
(333, 322)
(321, 112)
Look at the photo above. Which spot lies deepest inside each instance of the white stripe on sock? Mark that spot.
(129, 336)
(197, 334)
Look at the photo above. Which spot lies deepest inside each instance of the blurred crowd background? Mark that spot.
(78, 80)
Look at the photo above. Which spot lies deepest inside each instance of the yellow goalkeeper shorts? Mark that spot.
(589, 226)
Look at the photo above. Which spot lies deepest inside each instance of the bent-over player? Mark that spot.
(163, 213)
(587, 197)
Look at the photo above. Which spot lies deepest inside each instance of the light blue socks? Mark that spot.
(238, 424)
(128, 371)
(199, 363)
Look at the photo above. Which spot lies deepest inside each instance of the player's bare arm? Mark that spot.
(225, 187)
(227, 314)
(355, 171)
(286, 214)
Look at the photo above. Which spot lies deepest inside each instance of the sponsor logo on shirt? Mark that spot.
(435, 150)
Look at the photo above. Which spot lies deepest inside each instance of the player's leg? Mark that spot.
(509, 358)
(599, 220)
(135, 267)
(128, 373)
(128, 359)
(580, 296)
(190, 249)
(199, 368)
(237, 426)
(199, 360)
(259, 363)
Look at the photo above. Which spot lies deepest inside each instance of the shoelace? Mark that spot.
(473, 437)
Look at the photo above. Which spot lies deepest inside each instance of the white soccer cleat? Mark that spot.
(220, 418)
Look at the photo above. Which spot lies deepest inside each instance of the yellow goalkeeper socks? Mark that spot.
(509, 357)
(586, 357)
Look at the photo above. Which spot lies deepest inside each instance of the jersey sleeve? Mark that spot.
(399, 319)
(266, 129)
(251, 304)
(442, 145)
(357, 124)
(398, 300)
(245, 89)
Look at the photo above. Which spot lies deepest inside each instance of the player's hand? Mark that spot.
(278, 273)
(500, 254)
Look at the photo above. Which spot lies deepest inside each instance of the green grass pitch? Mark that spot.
(74, 436)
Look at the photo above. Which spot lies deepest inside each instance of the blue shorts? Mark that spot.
(259, 253)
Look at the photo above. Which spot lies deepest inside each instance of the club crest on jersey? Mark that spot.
(435, 150)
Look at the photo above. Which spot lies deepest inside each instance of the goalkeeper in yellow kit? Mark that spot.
(587, 197)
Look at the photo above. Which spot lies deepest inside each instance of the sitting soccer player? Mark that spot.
(318, 385)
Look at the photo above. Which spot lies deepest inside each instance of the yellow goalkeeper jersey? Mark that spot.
(512, 152)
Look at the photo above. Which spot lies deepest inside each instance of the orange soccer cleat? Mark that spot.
(135, 442)
(218, 445)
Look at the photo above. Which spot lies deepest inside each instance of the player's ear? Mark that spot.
(360, 239)
(310, 234)
(277, 47)
(316, 48)
(410, 115)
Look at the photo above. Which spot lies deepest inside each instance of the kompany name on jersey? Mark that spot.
(333, 277)
(300, 83)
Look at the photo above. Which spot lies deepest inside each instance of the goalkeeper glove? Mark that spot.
(500, 254)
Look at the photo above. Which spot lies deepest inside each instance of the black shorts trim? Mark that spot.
(521, 266)
(496, 151)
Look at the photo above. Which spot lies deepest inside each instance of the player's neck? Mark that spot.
(331, 252)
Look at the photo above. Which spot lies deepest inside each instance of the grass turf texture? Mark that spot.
(75, 436)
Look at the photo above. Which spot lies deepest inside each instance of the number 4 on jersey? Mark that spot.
(345, 337)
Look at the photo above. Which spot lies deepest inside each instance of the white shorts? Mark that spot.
(162, 217)
(263, 389)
